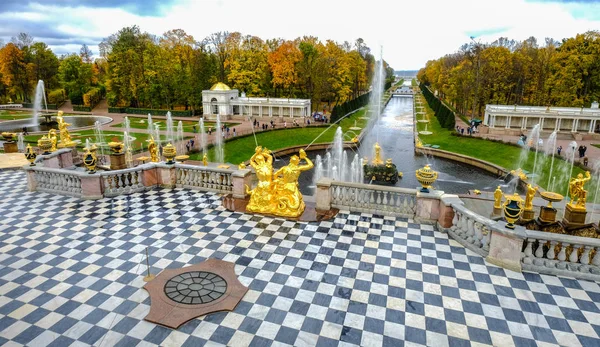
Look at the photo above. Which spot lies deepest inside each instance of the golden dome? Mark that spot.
(220, 86)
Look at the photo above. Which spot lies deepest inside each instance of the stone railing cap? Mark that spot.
(433, 194)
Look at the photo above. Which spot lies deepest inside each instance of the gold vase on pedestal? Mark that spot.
(169, 152)
(116, 147)
(90, 160)
(513, 208)
(426, 177)
(30, 155)
(548, 213)
(45, 145)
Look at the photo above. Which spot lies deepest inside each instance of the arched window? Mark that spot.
(215, 108)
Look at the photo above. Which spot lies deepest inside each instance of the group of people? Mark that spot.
(461, 130)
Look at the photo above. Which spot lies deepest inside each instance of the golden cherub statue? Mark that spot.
(289, 200)
(576, 192)
(65, 137)
(53, 139)
(153, 149)
(277, 193)
(205, 159)
(498, 198)
(529, 197)
(377, 159)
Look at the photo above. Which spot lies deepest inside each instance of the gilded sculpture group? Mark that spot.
(277, 193)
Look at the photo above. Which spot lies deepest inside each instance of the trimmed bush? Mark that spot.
(50, 106)
(349, 106)
(174, 113)
(76, 97)
(92, 97)
(57, 97)
(82, 108)
(117, 109)
(444, 115)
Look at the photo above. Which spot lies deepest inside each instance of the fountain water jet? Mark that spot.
(40, 94)
(21, 143)
(179, 140)
(169, 128)
(150, 125)
(202, 135)
(219, 154)
(100, 141)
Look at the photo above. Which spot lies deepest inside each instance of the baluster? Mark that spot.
(478, 234)
(539, 253)
(528, 252)
(562, 255)
(585, 257)
(385, 201)
(551, 255)
(470, 230)
(574, 258)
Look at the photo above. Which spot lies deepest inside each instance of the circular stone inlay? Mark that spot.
(195, 287)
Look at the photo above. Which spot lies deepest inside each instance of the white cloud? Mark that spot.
(411, 32)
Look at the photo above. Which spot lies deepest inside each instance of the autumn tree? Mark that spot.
(283, 66)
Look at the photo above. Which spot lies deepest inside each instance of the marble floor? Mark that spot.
(71, 275)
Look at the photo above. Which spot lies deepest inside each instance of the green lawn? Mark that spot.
(139, 144)
(14, 115)
(141, 123)
(502, 154)
(241, 149)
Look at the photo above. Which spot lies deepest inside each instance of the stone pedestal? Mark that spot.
(11, 147)
(547, 214)
(76, 158)
(446, 211)
(528, 215)
(574, 216)
(91, 186)
(241, 178)
(497, 211)
(428, 206)
(506, 246)
(323, 195)
(117, 161)
(166, 176)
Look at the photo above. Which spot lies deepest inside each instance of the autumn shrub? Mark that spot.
(57, 97)
(92, 97)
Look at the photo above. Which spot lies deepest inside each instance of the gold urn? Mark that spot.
(116, 147)
(9, 137)
(45, 144)
(426, 177)
(169, 152)
(30, 155)
(513, 208)
(90, 160)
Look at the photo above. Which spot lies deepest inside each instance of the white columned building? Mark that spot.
(224, 101)
(503, 118)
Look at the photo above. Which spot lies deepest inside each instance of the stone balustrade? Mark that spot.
(77, 182)
(56, 181)
(471, 230)
(367, 198)
(121, 182)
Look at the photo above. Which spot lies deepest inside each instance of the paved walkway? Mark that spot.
(71, 275)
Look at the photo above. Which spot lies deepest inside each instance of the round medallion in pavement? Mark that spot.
(195, 287)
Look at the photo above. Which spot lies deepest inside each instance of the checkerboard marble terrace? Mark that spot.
(71, 275)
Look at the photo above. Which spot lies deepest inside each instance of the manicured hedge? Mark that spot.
(82, 108)
(117, 109)
(174, 113)
(349, 106)
(92, 97)
(50, 106)
(444, 115)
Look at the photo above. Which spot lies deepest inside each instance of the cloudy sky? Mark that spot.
(410, 32)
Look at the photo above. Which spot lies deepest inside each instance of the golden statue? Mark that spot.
(377, 159)
(53, 139)
(153, 149)
(242, 166)
(205, 159)
(260, 197)
(288, 197)
(498, 198)
(65, 137)
(277, 193)
(529, 197)
(576, 192)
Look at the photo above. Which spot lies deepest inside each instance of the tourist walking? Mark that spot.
(209, 130)
(233, 132)
(194, 129)
(187, 146)
(584, 149)
(559, 149)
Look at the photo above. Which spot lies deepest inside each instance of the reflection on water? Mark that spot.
(394, 132)
(75, 121)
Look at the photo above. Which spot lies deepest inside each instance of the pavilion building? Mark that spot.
(506, 119)
(226, 102)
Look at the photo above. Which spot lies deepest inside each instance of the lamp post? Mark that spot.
(476, 79)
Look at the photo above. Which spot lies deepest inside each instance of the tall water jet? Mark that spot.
(40, 94)
(337, 152)
(169, 128)
(219, 154)
(150, 125)
(329, 170)
(549, 150)
(353, 177)
(100, 142)
(571, 160)
(127, 149)
(596, 169)
(21, 143)
(180, 145)
(157, 136)
(202, 135)
(344, 168)
(318, 170)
